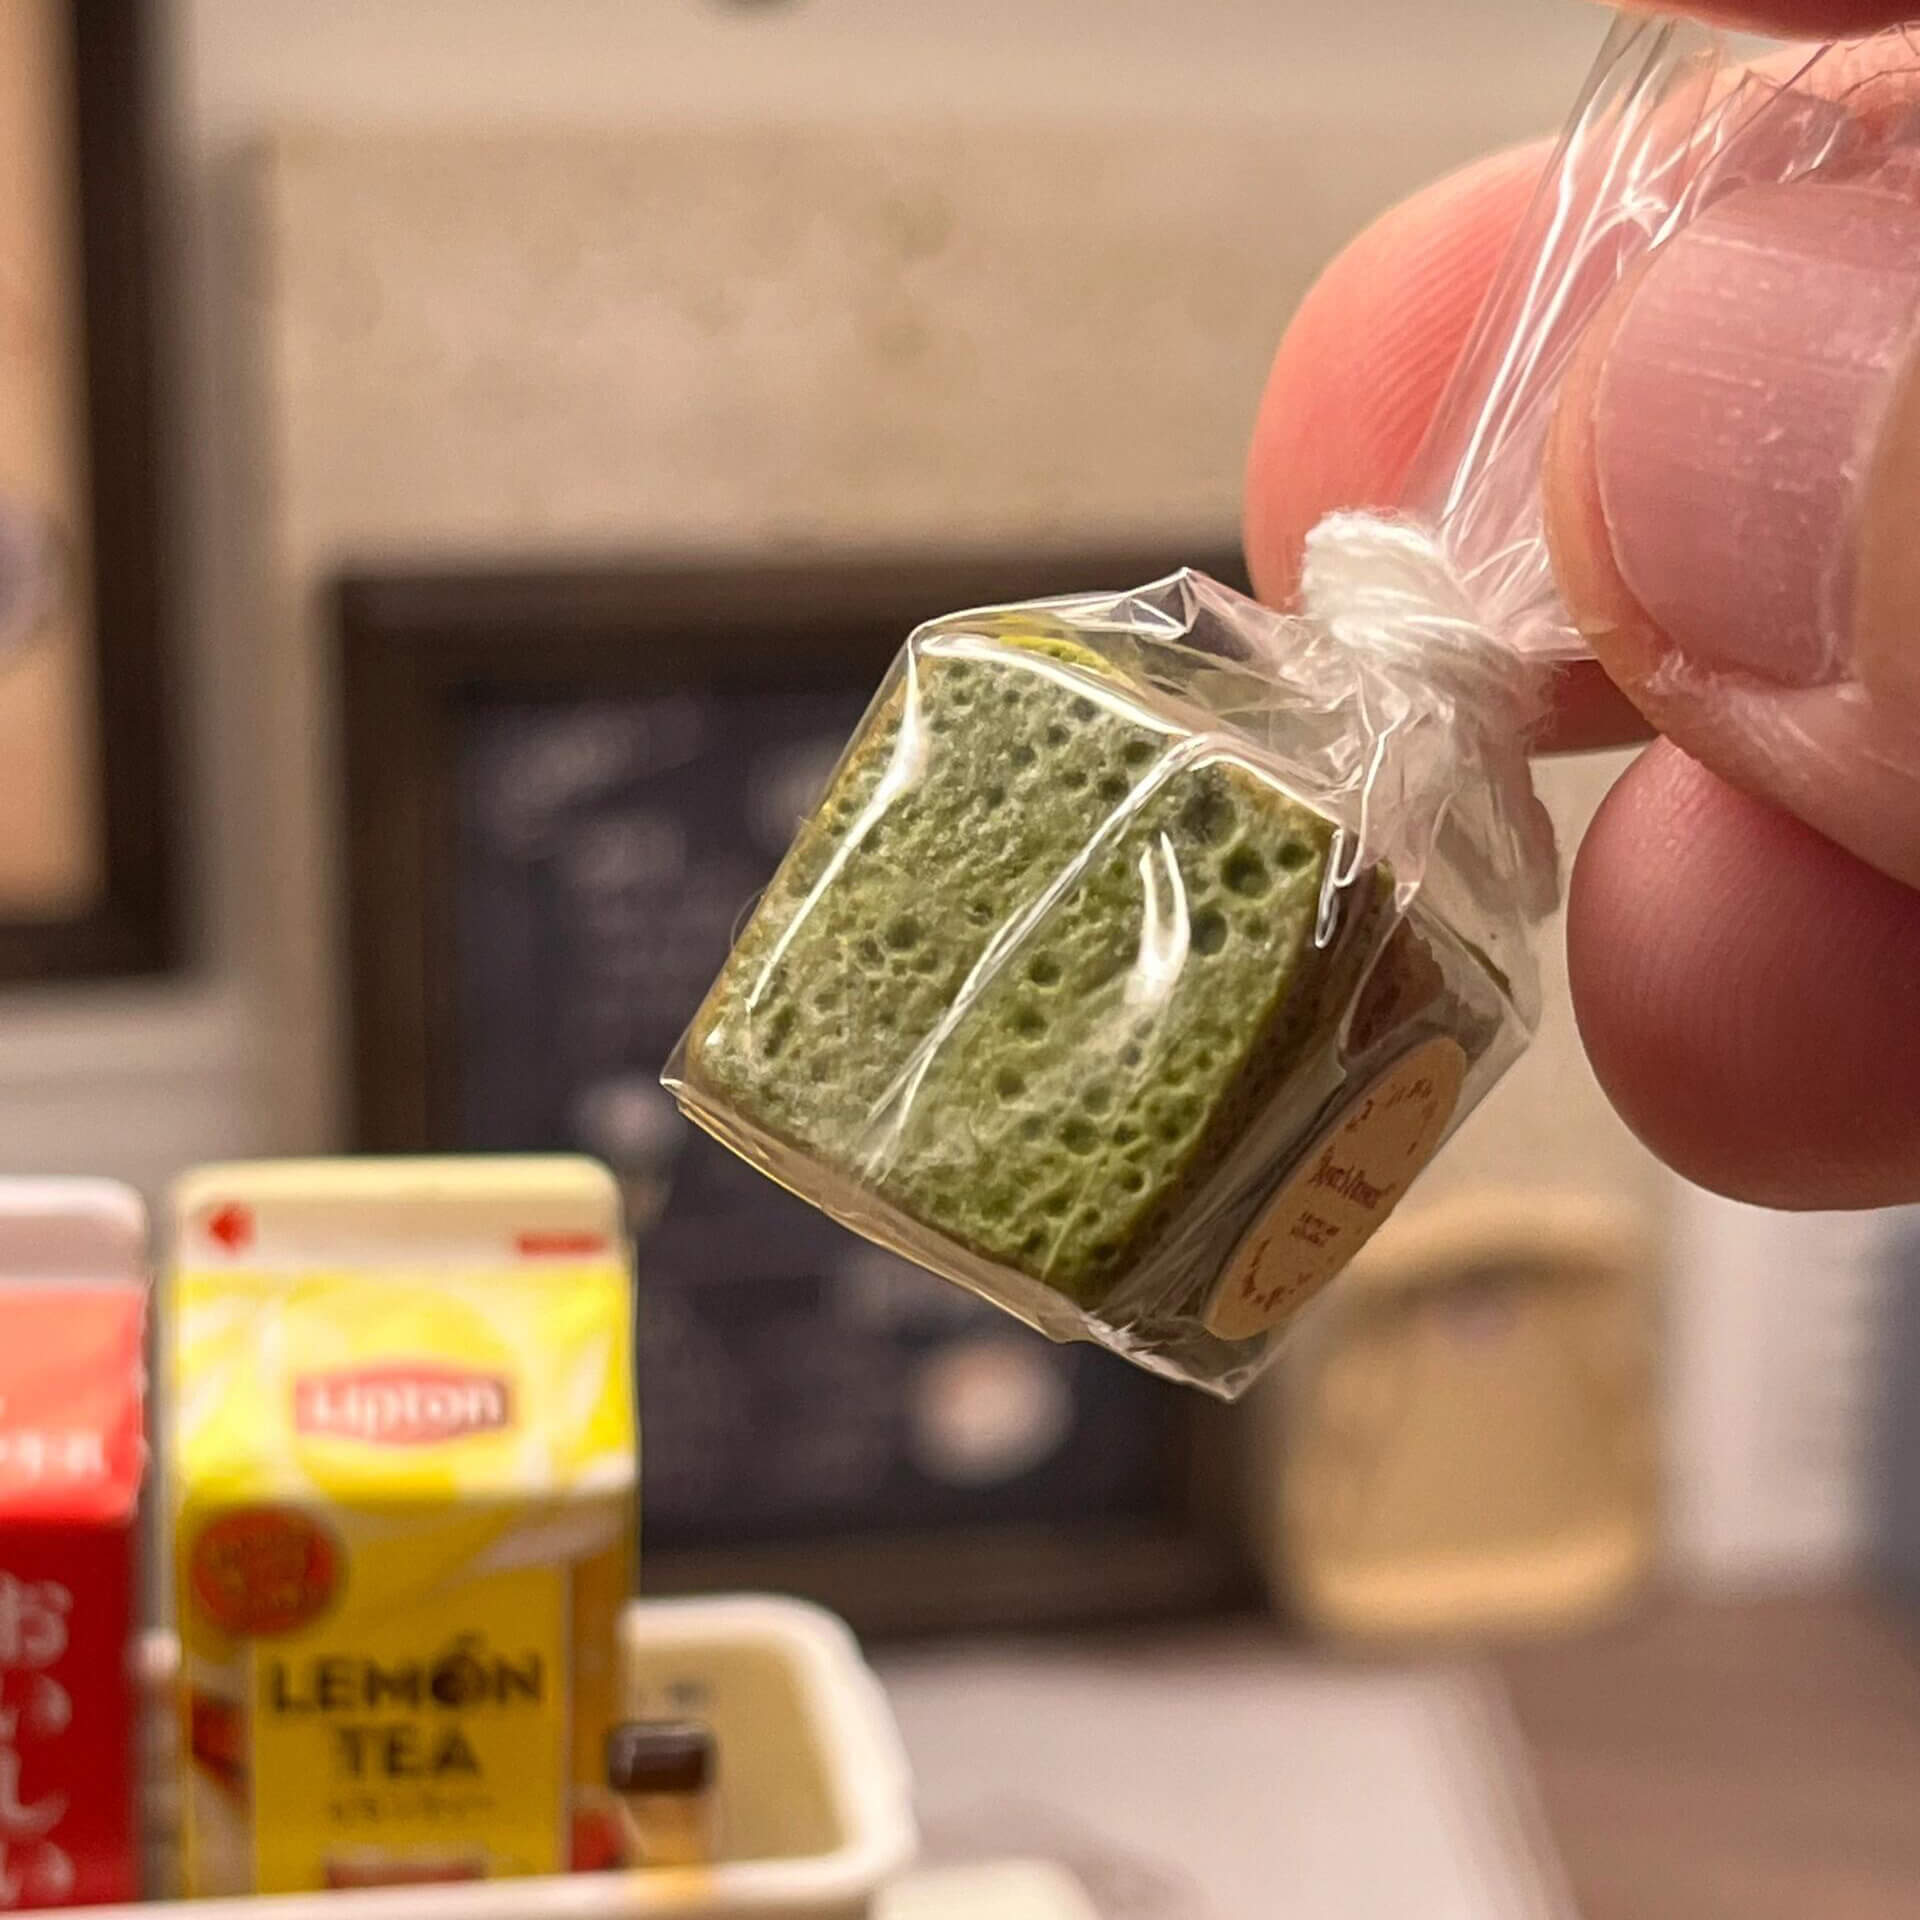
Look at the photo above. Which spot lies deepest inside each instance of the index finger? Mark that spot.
(1358, 376)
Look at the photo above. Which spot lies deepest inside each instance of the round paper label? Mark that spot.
(1342, 1191)
(263, 1571)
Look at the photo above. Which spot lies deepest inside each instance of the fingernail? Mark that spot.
(1737, 419)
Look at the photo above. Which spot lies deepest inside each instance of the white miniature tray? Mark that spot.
(815, 1790)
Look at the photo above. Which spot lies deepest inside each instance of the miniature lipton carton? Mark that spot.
(72, 1377)
(403, 1454)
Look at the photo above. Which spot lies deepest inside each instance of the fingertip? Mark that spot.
(1744, 991)
(1738, 556)
(1359, 373)
(1598, 601)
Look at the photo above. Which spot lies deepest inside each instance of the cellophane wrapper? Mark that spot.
(1145, 946)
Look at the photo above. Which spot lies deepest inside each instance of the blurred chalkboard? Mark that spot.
(563, 793)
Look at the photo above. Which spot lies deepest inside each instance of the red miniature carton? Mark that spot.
(72, 1454)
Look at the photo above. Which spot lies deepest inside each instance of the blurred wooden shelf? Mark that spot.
(1753, 1760)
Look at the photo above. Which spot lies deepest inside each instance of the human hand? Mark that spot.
(1733, 500)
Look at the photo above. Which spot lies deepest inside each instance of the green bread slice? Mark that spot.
(1034, 965)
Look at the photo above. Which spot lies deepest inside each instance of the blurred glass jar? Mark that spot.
(1468, 1428)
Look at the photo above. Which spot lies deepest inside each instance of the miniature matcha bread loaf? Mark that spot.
(1035, 964)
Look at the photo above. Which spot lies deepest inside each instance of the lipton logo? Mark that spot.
(401, 1406)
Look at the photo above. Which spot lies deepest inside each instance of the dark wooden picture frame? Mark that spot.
(128, 924)
(415, 651)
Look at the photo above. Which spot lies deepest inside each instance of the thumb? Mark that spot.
(1733, 501)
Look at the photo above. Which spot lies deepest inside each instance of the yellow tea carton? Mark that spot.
(402, 1441)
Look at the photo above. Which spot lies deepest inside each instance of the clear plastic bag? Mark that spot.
(1146, 946)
